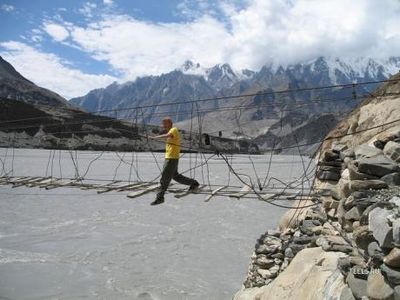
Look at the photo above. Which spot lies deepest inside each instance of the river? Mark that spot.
(68, 243)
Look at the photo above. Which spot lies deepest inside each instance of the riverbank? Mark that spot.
(346, 245)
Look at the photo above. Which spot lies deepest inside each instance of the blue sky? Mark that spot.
(75, 46)
(27, 15)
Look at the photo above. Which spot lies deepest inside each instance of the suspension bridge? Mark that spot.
(260, 185)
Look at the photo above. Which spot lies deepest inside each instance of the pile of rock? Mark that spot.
(359, 219)
(364, 201)
(267, 260)
(275, 249)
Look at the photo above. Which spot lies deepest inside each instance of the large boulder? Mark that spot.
(392, 178)
(355, 175)
(293, 217)
(329, 156)
(375, 251)
(362, 237)
(392, 274)
(311, 275)
(366, 151)
(353, 214)
(249, 294)
(342, 189)
(393, 258)
(334, 243)
(359, 185)
(392, 150)
(377, 166)
(328, 175)
(378, 225)
(378, 288)
(357, 284)
(397, 292)
(347, 294)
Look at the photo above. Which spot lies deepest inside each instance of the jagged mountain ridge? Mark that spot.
(255, 116)
(260, 113)
(192, 81)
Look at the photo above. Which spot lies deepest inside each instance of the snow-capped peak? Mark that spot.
(192, 68)
(359, 67)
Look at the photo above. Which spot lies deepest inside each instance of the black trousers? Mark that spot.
(169, 172)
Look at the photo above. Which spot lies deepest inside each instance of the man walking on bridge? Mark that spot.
(170, 169)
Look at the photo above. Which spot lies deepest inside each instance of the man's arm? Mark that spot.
(162, 136)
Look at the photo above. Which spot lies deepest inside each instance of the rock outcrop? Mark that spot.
(310, 275)
(348, 245)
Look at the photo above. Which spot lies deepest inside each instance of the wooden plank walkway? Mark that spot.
(214, 192)
(137, 189)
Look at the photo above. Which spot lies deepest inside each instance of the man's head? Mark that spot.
(167, 123)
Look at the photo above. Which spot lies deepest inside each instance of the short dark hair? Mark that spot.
(167, 119)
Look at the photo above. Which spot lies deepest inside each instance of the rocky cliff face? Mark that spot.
(14, 86)
(348, 245)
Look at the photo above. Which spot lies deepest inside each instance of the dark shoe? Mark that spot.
(157, 201)
(194, 187)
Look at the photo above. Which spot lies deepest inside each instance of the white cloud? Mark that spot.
(247, 37)
(7, 7)
(87, 9)
(56, 31)
(49, 71)
(288, 31)
(108, 2)
(138, 48)
(195, 9)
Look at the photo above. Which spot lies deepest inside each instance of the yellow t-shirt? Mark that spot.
(173, 145)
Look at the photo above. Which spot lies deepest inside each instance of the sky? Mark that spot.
(72, 47)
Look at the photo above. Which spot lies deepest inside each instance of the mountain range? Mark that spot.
(257, 116)
(34, 117)
(243, 105)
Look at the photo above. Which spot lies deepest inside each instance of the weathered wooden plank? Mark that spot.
(18, 179)
(4, 180)
(37, 181)
(214, 192)
(151, 188)
(59, 183)
(99, 186)
(133, 186)
(53, 181)
(125, 186)
(66, 183)
(80, 184)
(24, 182)
(270, 197)
(187, 192)
(244, 191)
(14, 180)
(178, 189)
